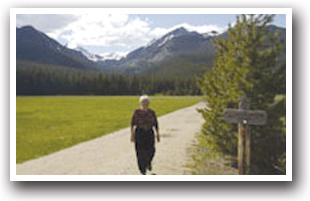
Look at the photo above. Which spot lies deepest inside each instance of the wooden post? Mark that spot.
(247, 149)
(240, 149)
(242, 132)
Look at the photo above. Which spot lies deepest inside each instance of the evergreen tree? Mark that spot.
(246, 65)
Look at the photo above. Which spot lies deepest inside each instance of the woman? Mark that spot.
(142, 133)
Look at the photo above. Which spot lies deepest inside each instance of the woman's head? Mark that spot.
(144, 101)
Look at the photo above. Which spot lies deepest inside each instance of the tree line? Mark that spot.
(45, 79)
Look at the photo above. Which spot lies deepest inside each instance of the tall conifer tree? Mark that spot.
(246, 64)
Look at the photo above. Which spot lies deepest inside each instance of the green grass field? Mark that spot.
(46, 124)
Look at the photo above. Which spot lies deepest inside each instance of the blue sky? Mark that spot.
(168, 20)
(121, 33)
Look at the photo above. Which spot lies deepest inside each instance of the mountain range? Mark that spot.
(179, 52)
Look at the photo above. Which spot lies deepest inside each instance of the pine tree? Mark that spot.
(246, 65)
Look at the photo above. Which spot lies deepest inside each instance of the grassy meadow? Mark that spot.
(45, 124)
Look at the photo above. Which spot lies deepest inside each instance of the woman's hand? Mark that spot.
(157, 137)
(157, 134)
(132, 138)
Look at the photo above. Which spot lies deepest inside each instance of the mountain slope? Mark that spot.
(33, 45)
(180, 43)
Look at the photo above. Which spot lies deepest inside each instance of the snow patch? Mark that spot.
(101, 57)
(113, 55)
(166, 39)
(210, 34)
(151, 42)
(88, 55)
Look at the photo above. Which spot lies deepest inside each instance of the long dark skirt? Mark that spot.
(145, 149)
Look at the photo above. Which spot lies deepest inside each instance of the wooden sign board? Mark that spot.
(244, 118)
(250, 117)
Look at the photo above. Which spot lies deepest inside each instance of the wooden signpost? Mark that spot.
(244, 118)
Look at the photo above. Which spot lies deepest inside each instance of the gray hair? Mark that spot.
(144, 97)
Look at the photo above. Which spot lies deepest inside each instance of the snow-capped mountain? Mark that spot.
(36, 46)
(178, 45)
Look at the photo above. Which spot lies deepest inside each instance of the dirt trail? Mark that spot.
(114, 154)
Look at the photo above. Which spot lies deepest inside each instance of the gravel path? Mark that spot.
(114, 154)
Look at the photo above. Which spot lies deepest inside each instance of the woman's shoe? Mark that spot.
(149, 167)
(143, 173)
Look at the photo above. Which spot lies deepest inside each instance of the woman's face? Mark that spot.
(144, 103)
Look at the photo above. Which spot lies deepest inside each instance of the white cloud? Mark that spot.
(203, 28)
(45, 22)
(200, 29)
(103, 29)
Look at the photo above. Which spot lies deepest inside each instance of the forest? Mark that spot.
(46, 79)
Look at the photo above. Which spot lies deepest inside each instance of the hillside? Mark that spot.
(33, 45)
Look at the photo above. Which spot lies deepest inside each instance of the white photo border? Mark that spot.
(289, 98)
